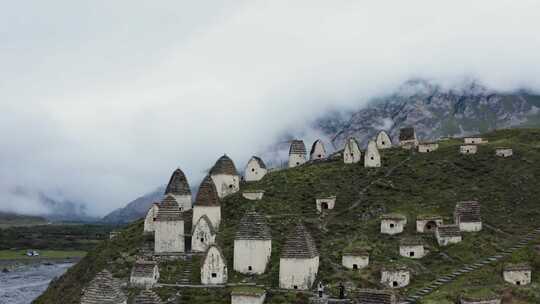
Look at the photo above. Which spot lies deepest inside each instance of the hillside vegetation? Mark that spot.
(409, 183)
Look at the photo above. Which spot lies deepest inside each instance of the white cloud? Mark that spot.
(102, 99)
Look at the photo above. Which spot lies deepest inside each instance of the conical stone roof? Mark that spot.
(169, 210)
(253, 226)
(299, 244)
(103, 289)
(468, 211)
(207, 195)
(147, 297)
(143, 269)
(224, 165)
(297, 147)
(178, 184)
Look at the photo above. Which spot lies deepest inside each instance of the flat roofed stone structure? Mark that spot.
(169, 227)
(474, 141)
(150, 218)
(393, 223)
(372, 158)
(214, 267)
(395, 276)
(225, 176)
(383, 140)
(147, 297)
(144, 274)
(467, 216)
(252, 244)
(325, 203)
(468, 149)
(372, 296)
(255, 169)
(299, 262)
(504, 152)
(318, 152)
(253, 195)
(517, 274)
(207, 203)
(248, 295)
(297, 153)
(351, 151)
(203, 235)
(428, 223)
(407, 138)
(412, 247)
(103, 289)
(447, 235)
(178, 187)
(355, 258)
(428, 147)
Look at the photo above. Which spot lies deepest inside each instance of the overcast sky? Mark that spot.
(100, 100)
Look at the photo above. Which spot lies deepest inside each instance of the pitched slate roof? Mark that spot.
(299, 244)
(468, 211)
(207, 195)
(448, 230)
(356, 251)
(147, 296)
(178, 184)
(517, 267)
(205, 219)
(143, 269)
(103, 289)
(411, 241)
(406, 134)
(394, 216)
(297, 147)
(224, 165)
(253, 226)
(372, 296)
(259, 161)
(169, 210)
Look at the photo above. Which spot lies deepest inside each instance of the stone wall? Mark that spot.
(412, 251)
(470, 226)
(251, 253)
(169, 236)
(296, 160)
(184, 202)
(214, 268)
(392, 226)
(520, 277)
(395, 279)
(226, 184)
(299, 273)
(351, 152)
(149, 225)
(247, 299)
(421, 225)
(253, 171)
(348, 261)
(253, 196)
(468, 149)
(329, 201)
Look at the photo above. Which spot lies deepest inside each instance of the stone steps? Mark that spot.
(433, 286)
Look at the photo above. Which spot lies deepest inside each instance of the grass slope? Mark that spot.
(408, 182)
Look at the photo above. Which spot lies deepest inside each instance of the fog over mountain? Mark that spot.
(101, 100)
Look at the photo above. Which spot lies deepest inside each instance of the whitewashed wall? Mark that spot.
(169, 236)
(296, 160)
(298, 272)
(253, 171)
(226, 184)
(254, 253)
(348, 261)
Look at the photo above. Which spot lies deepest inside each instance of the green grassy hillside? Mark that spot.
(408, 183)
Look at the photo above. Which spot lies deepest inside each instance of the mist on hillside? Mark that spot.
(101, 101)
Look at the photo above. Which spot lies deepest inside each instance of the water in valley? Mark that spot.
(25, 283)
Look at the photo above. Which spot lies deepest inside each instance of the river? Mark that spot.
(24, 283)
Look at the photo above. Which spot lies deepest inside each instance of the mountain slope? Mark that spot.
(408, 183)
(435, 113)
(135, 209)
